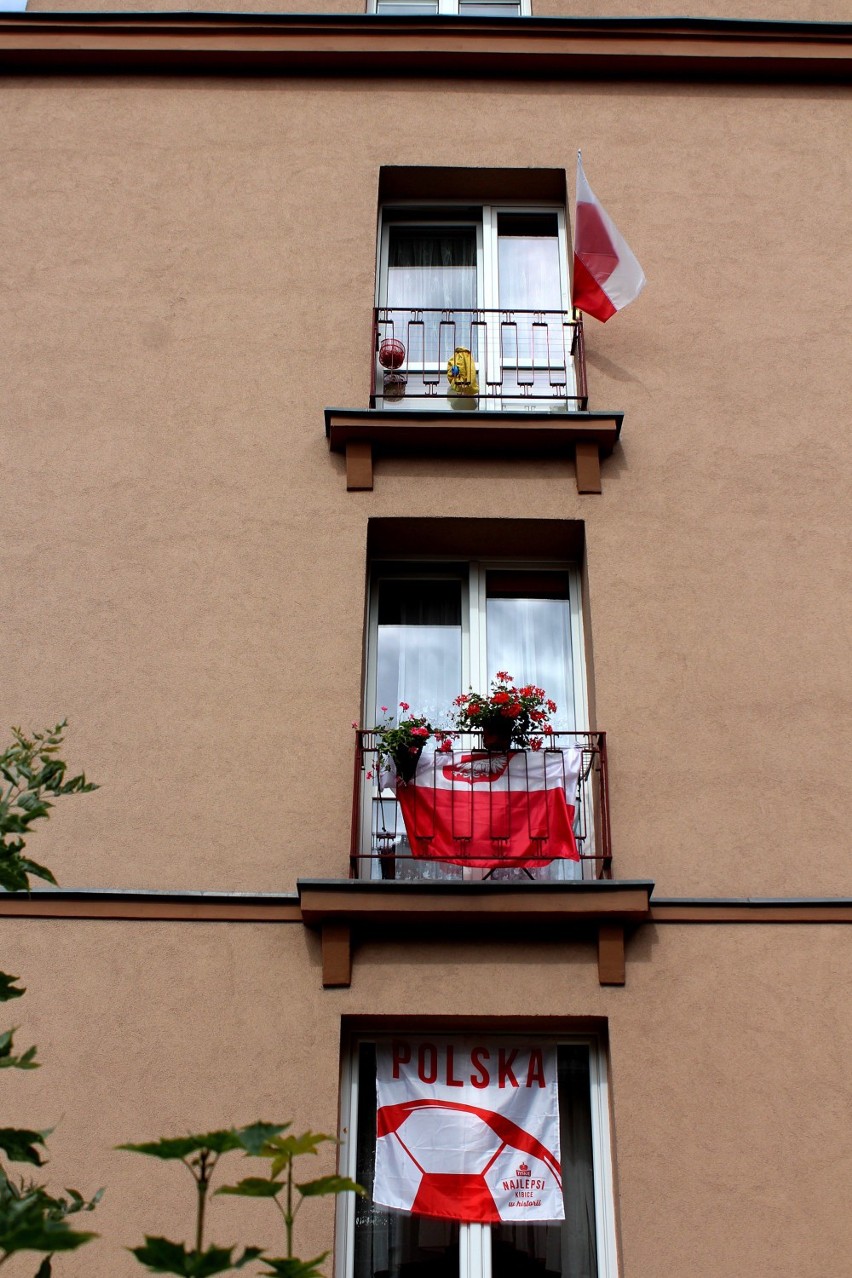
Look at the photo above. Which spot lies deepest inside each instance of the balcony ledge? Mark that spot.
(344, 910)
(362, 433)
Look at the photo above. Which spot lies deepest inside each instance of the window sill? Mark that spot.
(343, 909)
(362, 434)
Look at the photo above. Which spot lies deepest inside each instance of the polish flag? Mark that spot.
(489, 809)
(607, 277)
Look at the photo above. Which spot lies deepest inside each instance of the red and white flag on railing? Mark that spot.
(488, 810)
(468, 1129)
(607, 276)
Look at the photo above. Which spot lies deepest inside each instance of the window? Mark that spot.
(437, 629)
(380, 1242)
(449, 8)
(489, 279)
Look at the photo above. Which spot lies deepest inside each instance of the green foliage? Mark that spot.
(161, 1256)
(292, 1268)
(31, 1219)
(200, 1155)
(281, 1152)
(249, 1139)
(26, 1060)
(19, 1145)
(31, 769)
(8, 988)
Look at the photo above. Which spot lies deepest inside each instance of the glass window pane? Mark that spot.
(419, 647)
(393, 1244)
(530, 636)
(567, 1250)
(528, 261)
(432, 267)
(397, 6)
(475, 9)
(390, 1244)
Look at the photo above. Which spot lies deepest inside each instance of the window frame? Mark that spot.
(487, 237)
(474, 671)
(451, 8)
(475, 1240)
(472, 573)
(486, 221)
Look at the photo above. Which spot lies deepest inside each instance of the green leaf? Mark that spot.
(161, 1256)
(19, 1145)
(290, 1267)
(329, 1185)
(8, 989)
(7, 1061)
(31, 1220)
(294, 1146)
(253, 1187)
(181, 1147)
(44, 1269)
(256, 1135)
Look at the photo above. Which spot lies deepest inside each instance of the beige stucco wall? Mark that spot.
(189, 275)
(729, 1096)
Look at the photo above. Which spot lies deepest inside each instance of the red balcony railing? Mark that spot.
(525, 359)
(381, 848)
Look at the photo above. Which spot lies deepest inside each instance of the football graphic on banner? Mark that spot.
(468, 1130)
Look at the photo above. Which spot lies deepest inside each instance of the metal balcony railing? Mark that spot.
(381, 847)
(521, 359)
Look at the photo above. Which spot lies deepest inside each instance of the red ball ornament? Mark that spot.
(391, 353)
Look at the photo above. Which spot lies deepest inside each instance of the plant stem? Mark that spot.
(203, 1181)
(288, 1219)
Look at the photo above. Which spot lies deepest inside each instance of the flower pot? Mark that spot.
(497, 734)
(406, 762)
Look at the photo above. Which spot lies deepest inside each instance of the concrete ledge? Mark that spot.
(365, 45)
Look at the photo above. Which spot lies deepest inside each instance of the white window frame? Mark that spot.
(487, 283)
(450, 8)
(475, 1240)
(487, 280)
(474, 661)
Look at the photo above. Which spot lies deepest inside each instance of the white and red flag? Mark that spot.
(607, 276)
(489, 809)
(468, 1129)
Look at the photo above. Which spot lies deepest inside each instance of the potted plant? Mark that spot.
(507, 715)
(402, 741)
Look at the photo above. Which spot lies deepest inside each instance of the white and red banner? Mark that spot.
(468, 1129)
(487, 810)
(607, 276)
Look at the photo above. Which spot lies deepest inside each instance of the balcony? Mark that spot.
(396, 897)
(520, 391)
(386, 847)
(521, 360)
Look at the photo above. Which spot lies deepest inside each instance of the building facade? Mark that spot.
(240, 519)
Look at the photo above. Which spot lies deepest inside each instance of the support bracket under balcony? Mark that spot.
(345, 911)
(364, 434)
